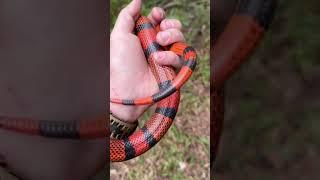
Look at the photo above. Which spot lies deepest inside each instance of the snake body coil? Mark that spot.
(155, 128)
(167, 85)
(168, 96)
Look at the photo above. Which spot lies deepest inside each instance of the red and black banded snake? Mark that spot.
(167, 87)
(146, 137)
(168, 97)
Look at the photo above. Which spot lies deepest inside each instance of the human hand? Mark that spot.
(130, 76)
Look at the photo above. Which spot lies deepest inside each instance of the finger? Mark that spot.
(168, 58)
(127, 16)
(156, 15)
(170, 24)
(169, 36)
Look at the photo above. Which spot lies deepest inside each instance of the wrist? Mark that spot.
(125, 113)
(117, 90)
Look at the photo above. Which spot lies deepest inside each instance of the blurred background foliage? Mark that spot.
(272, 127)
(183, 153)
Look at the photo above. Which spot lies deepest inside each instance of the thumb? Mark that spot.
(126, 19)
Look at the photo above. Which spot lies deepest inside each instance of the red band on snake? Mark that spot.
(168, 96)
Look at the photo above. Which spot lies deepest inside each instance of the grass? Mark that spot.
(184, 151)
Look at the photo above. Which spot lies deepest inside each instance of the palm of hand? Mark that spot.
(130, 76)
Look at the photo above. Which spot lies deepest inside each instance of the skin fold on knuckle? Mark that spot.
(170, 24)
(176, 36)
(174, 23)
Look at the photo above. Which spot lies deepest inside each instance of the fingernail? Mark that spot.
(164, 36)
(159, 56)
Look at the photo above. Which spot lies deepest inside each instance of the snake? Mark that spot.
(94, 128)
(167, 98)
(233, 47)
(142, 140)
(167, 86)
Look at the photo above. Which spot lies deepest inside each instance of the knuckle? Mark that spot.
(173, 23)
(177, 33)
(178, 24)
(156, 9)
